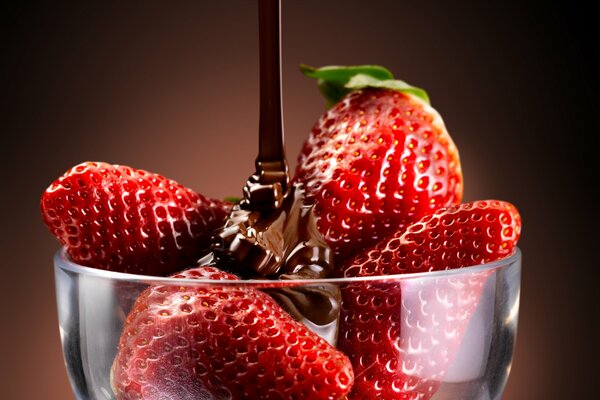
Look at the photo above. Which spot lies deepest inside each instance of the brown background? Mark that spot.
(172, 87)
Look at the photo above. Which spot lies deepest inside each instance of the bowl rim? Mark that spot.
(62, 262)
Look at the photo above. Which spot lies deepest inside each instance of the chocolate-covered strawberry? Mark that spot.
(124, 219)
(379, 159)
(402, 336)
(222, 342)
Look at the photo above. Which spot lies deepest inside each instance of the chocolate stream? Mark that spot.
(272, 233)
(267, 188)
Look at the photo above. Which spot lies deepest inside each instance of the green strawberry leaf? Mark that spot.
(343, 74)
(232, 199)
(361, 81)
(336, 81)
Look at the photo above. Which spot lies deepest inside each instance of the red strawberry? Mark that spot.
(402, 336)
(129, 220)
(378, 160)
(222, 342)
(459, 236)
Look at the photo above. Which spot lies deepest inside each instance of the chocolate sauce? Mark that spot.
(272, 233)
(269, 185)
(317, 307)
(286, 244)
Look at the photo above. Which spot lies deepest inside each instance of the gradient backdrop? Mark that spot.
(173, 87)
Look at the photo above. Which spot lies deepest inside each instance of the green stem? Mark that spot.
(337, 81)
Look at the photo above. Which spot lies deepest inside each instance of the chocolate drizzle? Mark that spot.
(279, 244)
(272, 233)
(317, 307)
(266, 189)
(283, 244)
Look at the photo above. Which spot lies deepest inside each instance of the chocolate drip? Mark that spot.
(272, 233)
(267, 188)
(317, 307)
(283, 243)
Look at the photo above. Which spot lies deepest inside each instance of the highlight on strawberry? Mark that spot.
(222, 343)
(377, 160)
(123, 219)
(382, 323)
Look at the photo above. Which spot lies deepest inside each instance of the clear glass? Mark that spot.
(93, 305)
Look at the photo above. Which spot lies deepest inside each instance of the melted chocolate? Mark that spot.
(317, 307)
(284, 243)
(267, 188)
(272, 233)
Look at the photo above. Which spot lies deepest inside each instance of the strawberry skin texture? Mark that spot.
(402, 336)
(124, 219)
(222, 342)
(454, 237)
(378, 160)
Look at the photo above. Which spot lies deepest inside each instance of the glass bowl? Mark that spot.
(451, 333)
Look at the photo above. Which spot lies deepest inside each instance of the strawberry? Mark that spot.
(222, 342)
(402, 335)
(124, 219)
(454, 237)
(378, 160)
